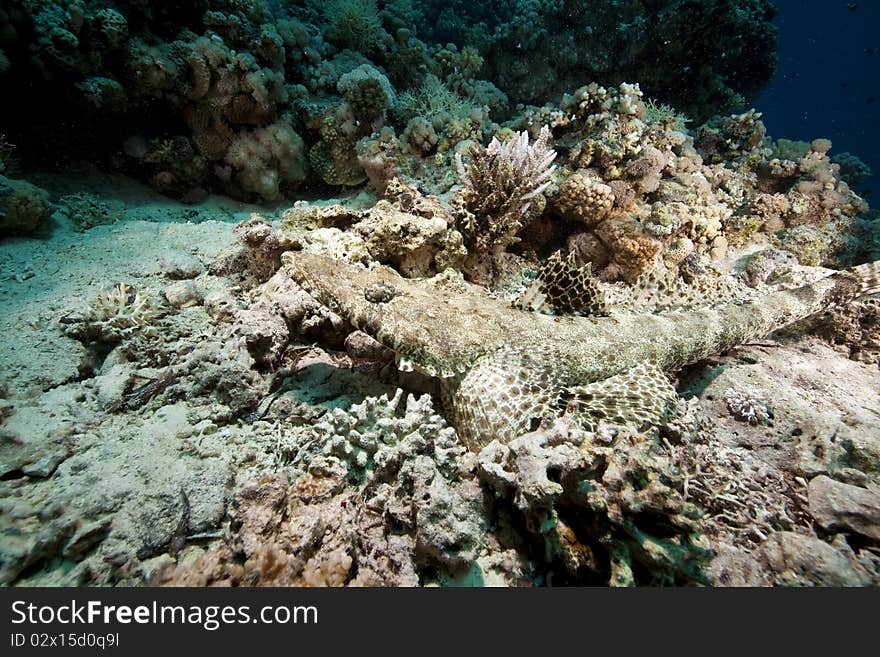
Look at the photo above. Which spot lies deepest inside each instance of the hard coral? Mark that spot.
(387, 499)
(855, 326)
(24, 208)
(334, 157)
(114, 314)
(557, 48)
(367, 91)
(558, 478)
(500, 184)
(268, 160)
(749, 405)
(415, 245)
(583, 197)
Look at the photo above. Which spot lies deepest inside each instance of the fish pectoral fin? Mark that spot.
(639, 397)
(505, 395)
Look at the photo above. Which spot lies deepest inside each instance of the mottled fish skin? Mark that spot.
(508, 369)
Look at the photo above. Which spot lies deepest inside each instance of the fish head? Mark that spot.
(437, 326)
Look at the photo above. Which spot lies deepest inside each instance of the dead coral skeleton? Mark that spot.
(124, 308)
(114, 314)
(742, 498)
(387, 497)
(641, 528)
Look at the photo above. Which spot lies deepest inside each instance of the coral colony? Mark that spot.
(389, 292)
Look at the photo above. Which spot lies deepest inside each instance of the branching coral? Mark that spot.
(355, 24)
(123, 308)
(368, 436)
(114, 314)
(500, 185)
(749, 405)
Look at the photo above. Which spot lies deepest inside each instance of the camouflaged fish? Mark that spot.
(504, 370)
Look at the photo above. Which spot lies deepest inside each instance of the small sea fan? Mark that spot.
(432, 99)
(665, 115)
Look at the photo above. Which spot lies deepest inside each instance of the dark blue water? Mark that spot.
(828, 81)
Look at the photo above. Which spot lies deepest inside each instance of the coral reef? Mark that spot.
(557, 478)
(390, 497)
(386, 500)
(558, 48)
(529, 297)
(854, 326)
(509, 370)
(206, 80)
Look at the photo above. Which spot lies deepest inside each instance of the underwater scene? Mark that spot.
(403, 293)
